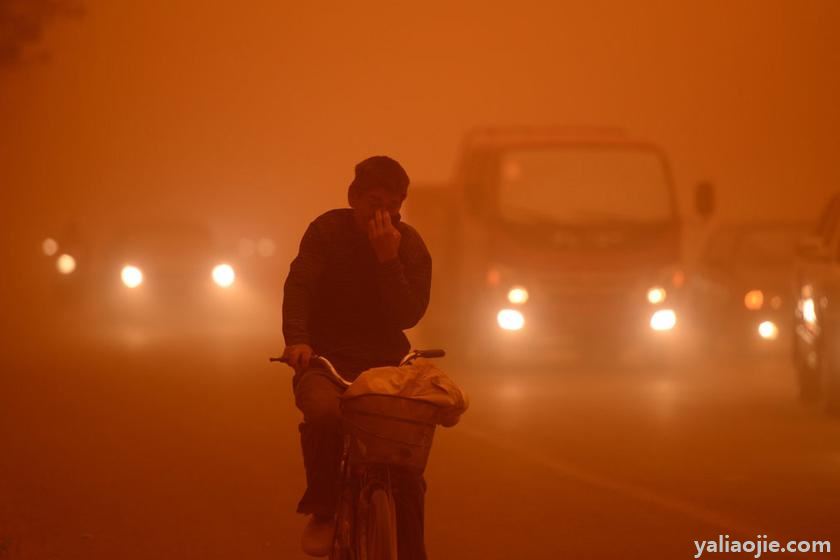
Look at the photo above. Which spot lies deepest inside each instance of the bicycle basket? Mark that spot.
(390, 430)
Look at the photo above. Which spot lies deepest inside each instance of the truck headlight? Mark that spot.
(223, 275)
(131, 276)
(656, 295)
(517, 295)
(510, 319)
(663, 320)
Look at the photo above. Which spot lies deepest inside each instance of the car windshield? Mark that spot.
(165, 240)
(581, 186)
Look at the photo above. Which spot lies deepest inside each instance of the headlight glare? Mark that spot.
(517, 295)
(663, 320)
(65, 264)
(656, 295)
(809, 311)
(768, 330)
(510, 319)
(131, 276)
(223, 275)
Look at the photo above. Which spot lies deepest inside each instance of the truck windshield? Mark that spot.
(582, 186)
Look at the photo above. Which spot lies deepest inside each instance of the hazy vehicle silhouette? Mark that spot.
(744, 287)
(816, 348)
(559, 243)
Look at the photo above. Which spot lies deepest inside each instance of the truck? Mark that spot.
(555, 243)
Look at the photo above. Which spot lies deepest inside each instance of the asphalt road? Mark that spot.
(187, 448)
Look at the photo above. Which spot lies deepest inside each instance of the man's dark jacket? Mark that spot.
(345, 304)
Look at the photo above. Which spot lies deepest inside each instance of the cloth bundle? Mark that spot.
(421, 380)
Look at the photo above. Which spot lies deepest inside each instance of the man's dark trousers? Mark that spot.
(317, 396)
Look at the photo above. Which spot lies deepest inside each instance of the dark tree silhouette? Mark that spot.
(22, 23)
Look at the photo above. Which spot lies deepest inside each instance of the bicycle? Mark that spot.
(380, 432)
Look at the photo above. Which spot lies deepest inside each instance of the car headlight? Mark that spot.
(663, 320)
(768, 330)
(510, 319)
(131, 276)
(809, 311)
(754, 300)
(65, 264)
(223, 275)
(517, 295)
(656, 295)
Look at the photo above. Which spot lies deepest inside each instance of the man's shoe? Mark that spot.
(318, 536)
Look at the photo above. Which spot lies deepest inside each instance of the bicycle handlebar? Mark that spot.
(432, 353)
(410, 357)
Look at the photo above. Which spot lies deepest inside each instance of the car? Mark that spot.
(816, 348)
(150, 279)
(743, 286)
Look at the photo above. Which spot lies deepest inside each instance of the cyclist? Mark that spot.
(360, 278)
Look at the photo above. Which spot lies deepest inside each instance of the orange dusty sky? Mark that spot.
(255, 112)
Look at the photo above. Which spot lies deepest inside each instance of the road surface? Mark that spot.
(187, 448)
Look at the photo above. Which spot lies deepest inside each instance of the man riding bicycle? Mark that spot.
(361, 277)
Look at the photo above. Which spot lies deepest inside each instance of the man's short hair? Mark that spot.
(379, 171)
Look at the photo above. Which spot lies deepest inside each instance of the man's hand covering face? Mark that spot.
(384, 237)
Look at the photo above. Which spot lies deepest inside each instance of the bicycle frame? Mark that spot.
(359, 483)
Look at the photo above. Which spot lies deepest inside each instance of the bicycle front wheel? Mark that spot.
(380, 528)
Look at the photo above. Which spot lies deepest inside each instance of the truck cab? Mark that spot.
(560, 243)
